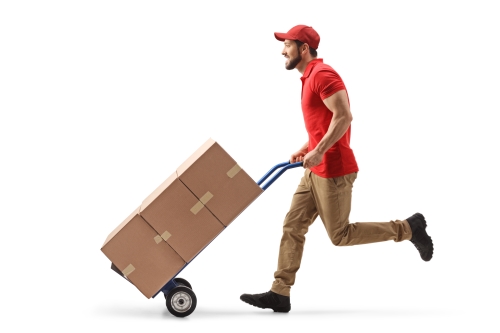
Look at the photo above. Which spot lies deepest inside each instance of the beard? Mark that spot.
(294, 62)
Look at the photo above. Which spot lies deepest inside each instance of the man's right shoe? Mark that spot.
(420, 238)
(269, 300)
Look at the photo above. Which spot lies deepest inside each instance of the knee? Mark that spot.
(338, 237)
(295, 231)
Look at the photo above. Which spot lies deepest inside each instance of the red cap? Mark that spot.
(300, 32)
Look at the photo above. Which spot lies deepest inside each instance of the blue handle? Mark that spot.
(285, 165)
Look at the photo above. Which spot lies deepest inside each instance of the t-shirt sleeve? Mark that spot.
(327, 83)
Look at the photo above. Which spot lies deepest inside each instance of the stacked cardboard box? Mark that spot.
(180, 218)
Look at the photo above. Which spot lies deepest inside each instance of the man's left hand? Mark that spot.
(312, 159)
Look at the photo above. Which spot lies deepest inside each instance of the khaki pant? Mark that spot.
(330, 198)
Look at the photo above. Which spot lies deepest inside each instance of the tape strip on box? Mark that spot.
(200, 204)
(233, 171)
(196, 208)
(206, 197)
(158, 239)
(166, 235)
(128, 270)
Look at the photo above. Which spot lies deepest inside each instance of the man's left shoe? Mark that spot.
(419, 237)
(269, 300)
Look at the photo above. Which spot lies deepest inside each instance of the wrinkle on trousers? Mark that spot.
(329, 198)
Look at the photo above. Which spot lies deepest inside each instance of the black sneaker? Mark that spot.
(268, 300)
(420, 238)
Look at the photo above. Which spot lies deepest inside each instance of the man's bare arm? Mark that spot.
(341, 120)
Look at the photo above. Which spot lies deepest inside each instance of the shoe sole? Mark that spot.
(431, 249)
(250, 301)
(424, 222)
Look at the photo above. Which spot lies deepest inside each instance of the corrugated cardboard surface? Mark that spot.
(169, 211)
(133, 250)
(211, 169)
(121, 225)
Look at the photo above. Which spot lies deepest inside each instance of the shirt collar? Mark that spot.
(310, 67)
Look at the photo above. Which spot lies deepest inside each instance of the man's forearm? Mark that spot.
(338, 127)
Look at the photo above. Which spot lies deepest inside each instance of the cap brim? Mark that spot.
(281, 36)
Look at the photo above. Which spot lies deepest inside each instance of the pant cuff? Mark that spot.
(280, 289)
(407, 234)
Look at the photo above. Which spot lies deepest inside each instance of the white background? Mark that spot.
(100, 101)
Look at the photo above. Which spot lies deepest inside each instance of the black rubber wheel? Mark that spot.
(183, 282)
(181, 301)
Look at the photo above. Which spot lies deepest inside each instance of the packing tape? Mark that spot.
(206, 197)
(158, 239)
(233, 171)
(196, 208)
(128, 270)
(166, 235)
(200, 204)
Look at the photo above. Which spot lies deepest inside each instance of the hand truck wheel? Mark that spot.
(181, 301)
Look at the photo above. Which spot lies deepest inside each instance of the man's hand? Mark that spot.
(298, 156)
(312, 159)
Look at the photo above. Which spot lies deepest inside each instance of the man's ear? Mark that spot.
(305, 48)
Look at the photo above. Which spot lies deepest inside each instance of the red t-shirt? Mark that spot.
(319, 82)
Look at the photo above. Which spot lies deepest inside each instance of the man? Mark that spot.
(330, 171)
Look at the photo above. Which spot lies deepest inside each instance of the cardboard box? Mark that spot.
(218, 182)
(142, 256)
(180, 218)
